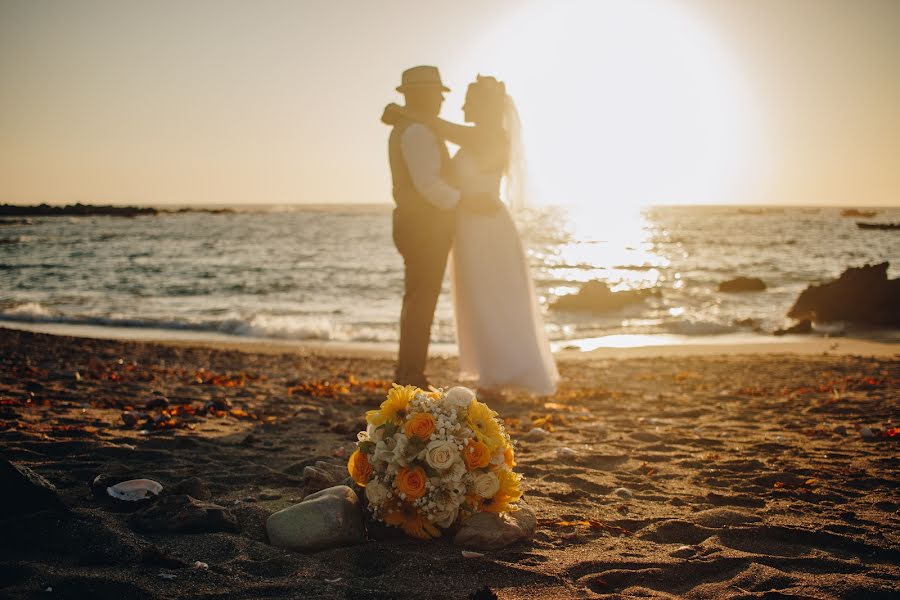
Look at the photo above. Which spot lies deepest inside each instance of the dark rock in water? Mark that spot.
(855, 212)
(860, 295)
(79, 210)
(184, 514)
(750, 323)
(595, 296)
(803, 327)
(879, 226)
(742, 284)
(25, 492)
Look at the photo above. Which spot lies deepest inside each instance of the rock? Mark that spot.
(25, 492)
(131, 418)
(742, 284)
(322, 475)
(683, 552)
(489, 531)
(194, 487)
(565, 452)
(623, 493)
(749, 323)
(185, 514)
(535, 435)
(218, 404)
(802, 328)
(157, 402)
(861, 295)
(595, 296)
(329, 518)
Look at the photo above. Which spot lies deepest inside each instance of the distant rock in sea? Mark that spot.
(854, 212)
(595, 296)
(859, 295)
(881, 226)
(742, 284)
(77, 210)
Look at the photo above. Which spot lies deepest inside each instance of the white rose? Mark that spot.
(377, 493)
(374, 434)
(457, 472)
(498, 458)
(441, 455)
(459, 397)
(444, 518)
(486, 485)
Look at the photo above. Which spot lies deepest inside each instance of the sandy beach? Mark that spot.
(713, 474)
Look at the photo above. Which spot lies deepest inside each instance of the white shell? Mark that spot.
(134, 490)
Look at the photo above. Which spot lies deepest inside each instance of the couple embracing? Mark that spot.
(451, 208)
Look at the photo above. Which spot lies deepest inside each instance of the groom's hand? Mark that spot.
(392, 114)
(480, 203)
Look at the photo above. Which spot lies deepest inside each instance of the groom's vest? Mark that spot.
(413, 209)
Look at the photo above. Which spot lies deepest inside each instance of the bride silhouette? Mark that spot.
(499, 328)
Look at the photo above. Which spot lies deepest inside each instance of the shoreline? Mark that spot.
(606, 347)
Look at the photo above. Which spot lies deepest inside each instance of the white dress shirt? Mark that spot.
(420, 150)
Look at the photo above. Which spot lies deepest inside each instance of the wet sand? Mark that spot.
(686, 476)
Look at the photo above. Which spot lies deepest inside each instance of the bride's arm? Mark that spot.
(490, 145)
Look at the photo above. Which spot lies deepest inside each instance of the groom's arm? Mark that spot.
(419, 147)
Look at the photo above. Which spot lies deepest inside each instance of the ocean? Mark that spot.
(332, 273)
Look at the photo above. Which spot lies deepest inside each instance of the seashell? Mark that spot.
(134, 490)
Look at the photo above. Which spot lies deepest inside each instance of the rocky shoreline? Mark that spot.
(737, 477)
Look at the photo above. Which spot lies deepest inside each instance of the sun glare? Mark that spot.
(625, 104)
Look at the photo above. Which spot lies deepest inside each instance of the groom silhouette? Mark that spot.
(424, 216)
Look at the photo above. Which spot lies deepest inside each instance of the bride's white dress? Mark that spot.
(499, 328)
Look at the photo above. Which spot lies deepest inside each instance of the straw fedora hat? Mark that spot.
(420, 77)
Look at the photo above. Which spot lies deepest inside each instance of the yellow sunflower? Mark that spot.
(480, 419)
(406, 517)
(510, 493)
(393, 409)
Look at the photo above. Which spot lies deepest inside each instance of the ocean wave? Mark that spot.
(283, 327)
(690, 327)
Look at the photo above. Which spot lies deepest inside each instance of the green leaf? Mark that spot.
(367, 447)
(390, 429)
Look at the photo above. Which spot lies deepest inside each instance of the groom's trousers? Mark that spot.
(424, 262)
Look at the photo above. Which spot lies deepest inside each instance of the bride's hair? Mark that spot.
(492, 93)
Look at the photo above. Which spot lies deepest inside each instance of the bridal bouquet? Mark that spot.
(430, 459)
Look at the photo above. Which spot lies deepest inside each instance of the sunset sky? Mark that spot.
(630, 101)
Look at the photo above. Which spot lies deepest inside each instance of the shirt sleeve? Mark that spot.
(419, 147)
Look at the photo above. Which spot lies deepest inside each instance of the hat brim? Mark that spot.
(409, 86)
